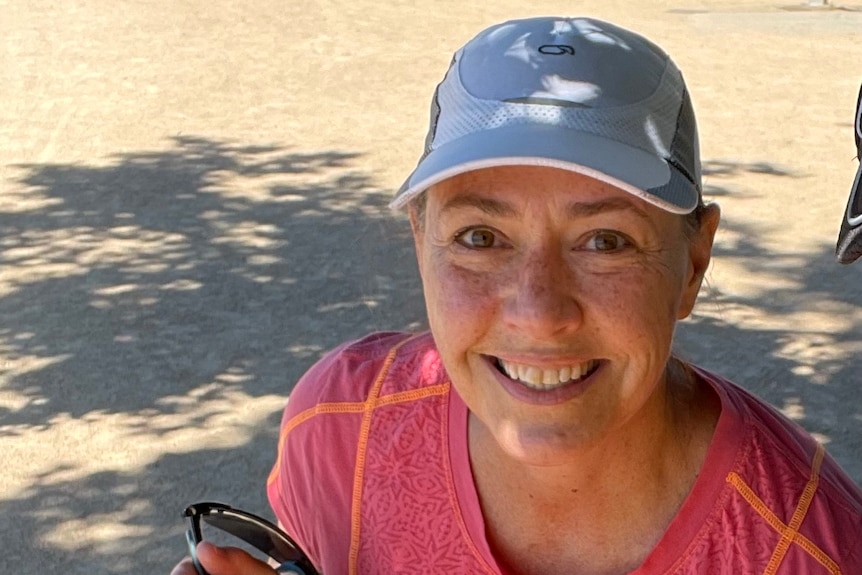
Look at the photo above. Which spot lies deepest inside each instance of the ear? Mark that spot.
(700, 253)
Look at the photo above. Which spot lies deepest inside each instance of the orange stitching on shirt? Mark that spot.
(354, 407)
(367, 408)
(305, 416)
(357, 407)
(412, 395)
(789, 533)
(754, 501)
(364, 430)
(346, 407)
(798, 515)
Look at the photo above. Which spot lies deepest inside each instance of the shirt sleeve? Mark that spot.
(311, 485)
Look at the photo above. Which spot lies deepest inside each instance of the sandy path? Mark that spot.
(192, 206)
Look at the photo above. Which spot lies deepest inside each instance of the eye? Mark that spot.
(477, 238)
(608, 241)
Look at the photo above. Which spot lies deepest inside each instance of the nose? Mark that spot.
(543, 298)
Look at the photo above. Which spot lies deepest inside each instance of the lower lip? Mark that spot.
(553, 396)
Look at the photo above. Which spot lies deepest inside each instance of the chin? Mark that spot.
(543, 444)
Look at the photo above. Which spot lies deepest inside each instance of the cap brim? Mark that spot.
(849, 246)
(628, 168)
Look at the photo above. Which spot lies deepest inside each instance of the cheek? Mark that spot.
(457, 296)
(636, 306)
(462, 306)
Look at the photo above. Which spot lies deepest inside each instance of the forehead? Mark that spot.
(510, 190)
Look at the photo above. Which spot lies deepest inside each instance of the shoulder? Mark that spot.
(773, 436)
(783, 478)
(349, 373)
(328, 445)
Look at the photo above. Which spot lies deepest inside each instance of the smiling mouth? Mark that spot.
(542, 378)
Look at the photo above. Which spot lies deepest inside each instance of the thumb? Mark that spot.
(230, 561)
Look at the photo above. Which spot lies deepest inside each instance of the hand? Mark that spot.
(223, 561)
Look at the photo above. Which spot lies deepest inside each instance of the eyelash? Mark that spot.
(623, 241)
(461, 234)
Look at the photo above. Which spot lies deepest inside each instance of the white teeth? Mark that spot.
(541, 378)
(531, 375)
(507, 369)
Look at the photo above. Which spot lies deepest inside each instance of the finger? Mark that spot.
(184, 567)
(230, 561)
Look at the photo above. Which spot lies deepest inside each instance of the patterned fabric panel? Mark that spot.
(409, 518)
(364, 480)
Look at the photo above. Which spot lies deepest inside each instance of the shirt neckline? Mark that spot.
(693, 519)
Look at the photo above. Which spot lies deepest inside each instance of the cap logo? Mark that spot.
(557, 49)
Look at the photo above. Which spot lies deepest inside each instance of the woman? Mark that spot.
(543, 425)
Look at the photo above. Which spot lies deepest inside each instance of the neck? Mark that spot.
(624, 488)
(639, 454)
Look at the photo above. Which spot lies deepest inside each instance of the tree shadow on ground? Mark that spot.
(159, 295)
(161, 271)
(164, 291)
(120, 522)
(793, 332)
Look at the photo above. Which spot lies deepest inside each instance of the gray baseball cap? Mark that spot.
(572, 93)
(849, 246)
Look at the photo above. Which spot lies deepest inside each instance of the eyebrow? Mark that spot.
(574, 210)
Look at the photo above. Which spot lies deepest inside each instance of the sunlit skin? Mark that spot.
(550, 268)
(541, 267)
(224, 561)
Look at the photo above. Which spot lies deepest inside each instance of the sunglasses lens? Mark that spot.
(190, 539)
(258, 540)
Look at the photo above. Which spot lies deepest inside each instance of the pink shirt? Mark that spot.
(373, 476)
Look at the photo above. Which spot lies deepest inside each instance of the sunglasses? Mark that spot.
(210, 521)
(858, 125)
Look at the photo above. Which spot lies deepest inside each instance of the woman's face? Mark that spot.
(553, 298)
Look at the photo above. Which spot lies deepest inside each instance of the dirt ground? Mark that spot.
(193, 208)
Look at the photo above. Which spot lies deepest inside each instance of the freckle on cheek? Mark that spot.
(464, 288)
